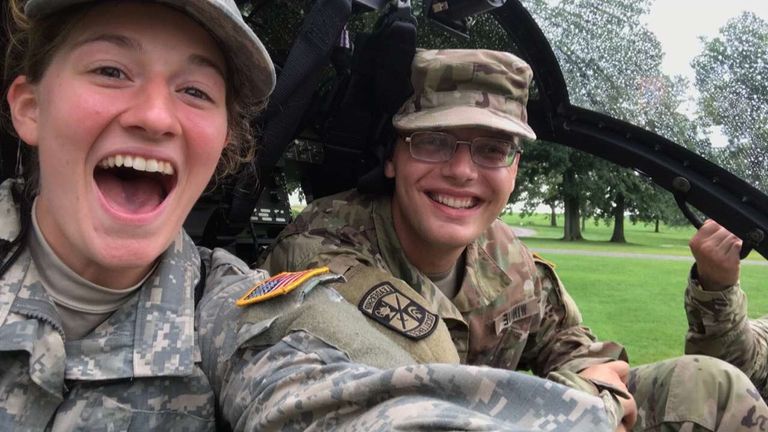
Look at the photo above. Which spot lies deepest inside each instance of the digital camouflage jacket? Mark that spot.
(138, 370)
(511, 310)
(157, 364)
(718, 326)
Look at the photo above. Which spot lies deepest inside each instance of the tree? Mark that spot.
(611, 63)
(731, 76)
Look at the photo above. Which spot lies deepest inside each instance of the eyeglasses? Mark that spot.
(485, 152)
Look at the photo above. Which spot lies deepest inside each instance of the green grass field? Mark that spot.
(635, 301)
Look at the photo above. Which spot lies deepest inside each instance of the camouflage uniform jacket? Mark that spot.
(718, 326)
(155, 364)
(511, 310)
(138, 370)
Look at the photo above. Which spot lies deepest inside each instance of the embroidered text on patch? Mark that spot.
(517, 312)
(388, 306)
(278, 285)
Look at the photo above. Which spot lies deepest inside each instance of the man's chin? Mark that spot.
(453, 240)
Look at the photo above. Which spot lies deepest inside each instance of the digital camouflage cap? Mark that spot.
(467, 88)
(250, 64)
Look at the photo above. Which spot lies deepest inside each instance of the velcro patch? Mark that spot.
(388, 306)
(278, 285)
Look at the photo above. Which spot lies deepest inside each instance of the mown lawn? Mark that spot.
(635, 301)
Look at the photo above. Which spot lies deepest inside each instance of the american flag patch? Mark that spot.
(278, 285)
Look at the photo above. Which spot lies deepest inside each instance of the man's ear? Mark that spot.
(389, 169)
(22, 99)
(389, 165)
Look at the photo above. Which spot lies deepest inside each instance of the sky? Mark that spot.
(679, 23)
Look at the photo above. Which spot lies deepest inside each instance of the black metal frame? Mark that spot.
(728, 199)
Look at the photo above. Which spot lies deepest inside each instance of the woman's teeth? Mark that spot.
(138, 163)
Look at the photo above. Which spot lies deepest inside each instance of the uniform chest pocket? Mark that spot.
(141, 404)
(512, 344)
(24, 406)
(86, 414)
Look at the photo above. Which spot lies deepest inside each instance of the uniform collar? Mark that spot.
(11, 224)
(153, 333)
(397, 263)
(484, 281)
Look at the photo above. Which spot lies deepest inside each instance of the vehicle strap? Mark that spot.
(293, 92)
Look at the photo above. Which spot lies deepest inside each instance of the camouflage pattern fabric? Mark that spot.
(310, 361)
(695, 393)
(135, 371)
(151, 366)
(467, 88)
(501, 279)
(718, 326)
(688, 393)
(271, 366)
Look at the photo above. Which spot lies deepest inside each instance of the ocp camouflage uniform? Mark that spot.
(718, 326)
(154, 365)
(510, 311)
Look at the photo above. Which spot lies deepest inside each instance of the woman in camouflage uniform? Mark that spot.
(123, 112)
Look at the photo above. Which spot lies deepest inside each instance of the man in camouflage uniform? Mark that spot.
(716, 306)
(434, 270)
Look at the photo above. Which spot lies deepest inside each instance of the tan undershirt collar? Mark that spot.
(82, 304)
(449, 282)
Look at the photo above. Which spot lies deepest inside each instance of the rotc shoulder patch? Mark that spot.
(388, 306)
(278, 285)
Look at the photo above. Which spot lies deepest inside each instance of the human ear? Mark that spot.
(22, 100)
(389, 164)
(389, 169)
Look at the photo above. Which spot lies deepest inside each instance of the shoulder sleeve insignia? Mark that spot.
(278, 285)
(388, 306)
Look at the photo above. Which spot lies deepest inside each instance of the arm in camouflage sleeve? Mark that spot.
(292, 363)
(561, 341)
(302, 383)
(717, 307)
(718, 326)
(304, 250)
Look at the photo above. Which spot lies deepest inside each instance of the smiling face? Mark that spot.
(440, 208)
(129, 120)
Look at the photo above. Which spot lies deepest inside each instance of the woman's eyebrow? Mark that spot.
(205, 61)
(112, 38)
(132, 44)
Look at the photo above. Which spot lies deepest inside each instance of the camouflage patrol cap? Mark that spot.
(467, 88)
(251, 67)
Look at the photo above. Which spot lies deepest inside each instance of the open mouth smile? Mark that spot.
(134, 185)
(453, 202)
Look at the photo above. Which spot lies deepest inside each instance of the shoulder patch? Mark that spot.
(278, 285)
(391, 308)
(539, 258)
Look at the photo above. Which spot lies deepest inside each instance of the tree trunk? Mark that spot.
(618, 220)
(583, 223)
(552, 216)
(657, 225)
(572, 229)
